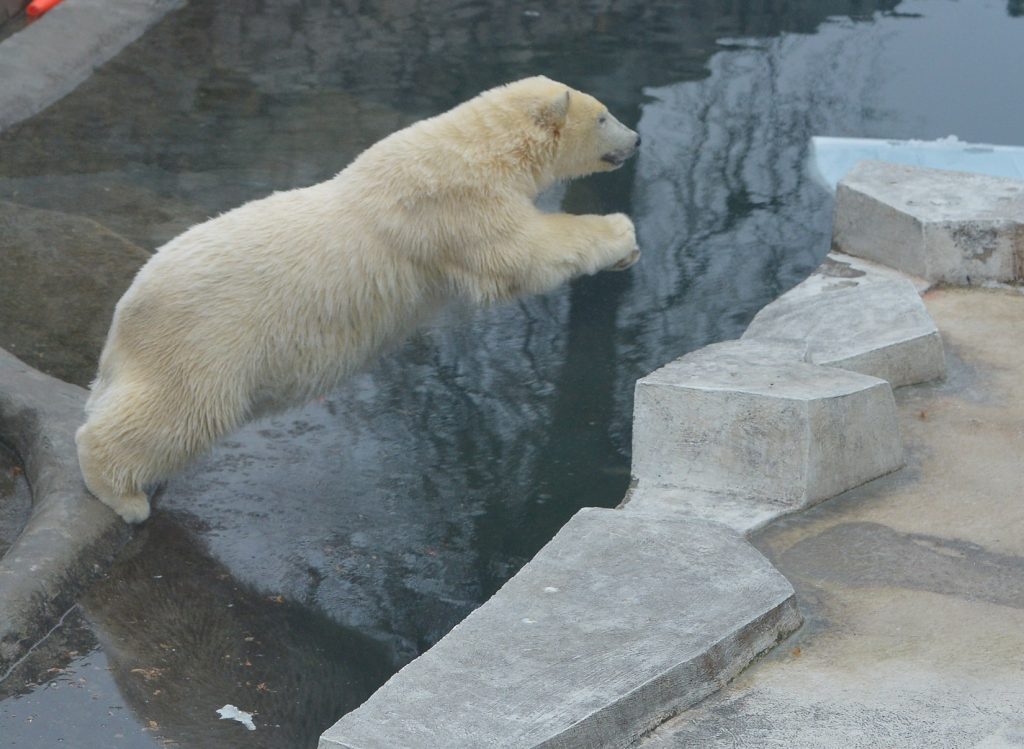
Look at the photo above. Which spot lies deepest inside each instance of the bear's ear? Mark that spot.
(553, 112)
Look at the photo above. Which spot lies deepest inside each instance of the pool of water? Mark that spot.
(347, 536)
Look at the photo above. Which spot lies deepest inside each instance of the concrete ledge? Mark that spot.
(880, 329)
(944, 226)
(619, 622)
(70, 536)
(51, 57)
(738, 419)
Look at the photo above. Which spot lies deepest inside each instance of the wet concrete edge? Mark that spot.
(70, 538)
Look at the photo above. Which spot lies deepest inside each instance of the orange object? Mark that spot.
(36, 8)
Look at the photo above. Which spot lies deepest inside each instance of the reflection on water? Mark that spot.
(15, 498)
(401, 502)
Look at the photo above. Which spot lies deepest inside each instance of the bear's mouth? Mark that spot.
(618, 158)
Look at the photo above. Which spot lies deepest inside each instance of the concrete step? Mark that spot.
(879, 328)
(952, 227)
(750, 419)
(620, 621)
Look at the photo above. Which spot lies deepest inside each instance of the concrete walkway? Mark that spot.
(913, 584)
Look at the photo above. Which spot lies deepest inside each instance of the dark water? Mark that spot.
(348, 536)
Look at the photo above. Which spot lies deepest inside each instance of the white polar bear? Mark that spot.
(275, 302)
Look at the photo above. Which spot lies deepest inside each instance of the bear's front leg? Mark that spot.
(565, 246)
(625, 232)
(547, 251)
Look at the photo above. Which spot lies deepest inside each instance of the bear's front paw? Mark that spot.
(622, 228)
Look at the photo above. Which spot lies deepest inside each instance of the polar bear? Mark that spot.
(275, 302)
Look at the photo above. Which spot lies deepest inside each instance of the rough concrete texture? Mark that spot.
(880, 329)
(912, 584)
(70, 536)
(743, 418)
(944, 226)
(593, 648)
(62, 276)
(87, 33)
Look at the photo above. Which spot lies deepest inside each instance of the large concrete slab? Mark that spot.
(944, 226)
(51, 57)
(70, 537)
(620, 621)
(745, 419)
(880, 329)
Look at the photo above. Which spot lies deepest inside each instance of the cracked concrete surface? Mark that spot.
(911, 584)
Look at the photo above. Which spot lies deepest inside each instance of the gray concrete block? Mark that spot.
(619, 622)
(70, 537)
(880, 329)
(944, 226)
(742, 419)
(52, 56)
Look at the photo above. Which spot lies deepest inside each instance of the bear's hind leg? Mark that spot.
(131, 503)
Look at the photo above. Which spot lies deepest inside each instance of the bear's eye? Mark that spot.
(601, 120)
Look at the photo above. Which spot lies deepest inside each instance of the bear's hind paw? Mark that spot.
(133, 508)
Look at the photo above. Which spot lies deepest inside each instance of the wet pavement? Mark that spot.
(359, 529)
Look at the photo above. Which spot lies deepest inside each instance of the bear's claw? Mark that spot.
(627, 261)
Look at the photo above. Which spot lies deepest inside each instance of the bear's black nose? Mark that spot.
(637, 142)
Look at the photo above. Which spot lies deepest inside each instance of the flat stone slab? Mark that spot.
(619, 622)
(944, 226)
(747, 419)
(51, 57)
(70, 536)
(880, 329)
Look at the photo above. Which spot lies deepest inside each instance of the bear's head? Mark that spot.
(587, 136)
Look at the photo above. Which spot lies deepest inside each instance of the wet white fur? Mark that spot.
(275, 302)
